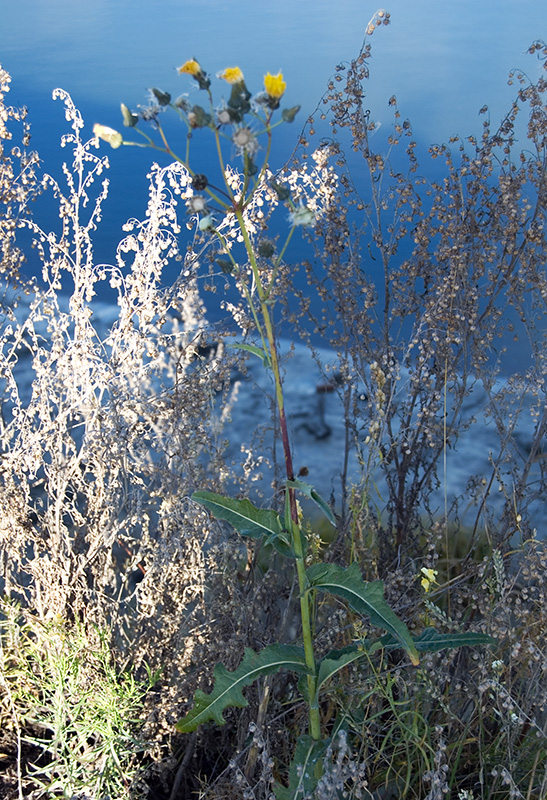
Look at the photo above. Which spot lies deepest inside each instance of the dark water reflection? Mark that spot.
(443, 61)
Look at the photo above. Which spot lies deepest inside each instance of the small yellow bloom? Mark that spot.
(275, 85)
(191, 67)
(231, 75)
(429, 578)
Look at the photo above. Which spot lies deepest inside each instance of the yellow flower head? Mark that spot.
(232, 75)
(275, 85)
(429, 577)
(191, 67)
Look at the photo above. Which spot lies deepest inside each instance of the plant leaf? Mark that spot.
(431, 640)
(256, 351)
(336, 660)
(241, 514)
(228, 685)
(280, 542)
(308, 491)
(305, 770)
(365, 598)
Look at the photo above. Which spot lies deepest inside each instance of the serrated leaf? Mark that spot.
(241, 514)
(256, 351)
(227, 688)
(305, 771)
(308, 491)
(365, 598)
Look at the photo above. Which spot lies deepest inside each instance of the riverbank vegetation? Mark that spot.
(151, 587)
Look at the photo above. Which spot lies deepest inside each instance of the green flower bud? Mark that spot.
(226, 265)
(281, 191)
(199, 182)
(203, 81)
(239, 101)
(250, 167)
(288, 114)
(302, 215)
(163, 98)
(198, 117)
(266, 248)
(129, 119)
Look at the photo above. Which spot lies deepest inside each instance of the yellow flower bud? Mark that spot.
(231, 75)
(193, 68)
(275, 85)
(190, 67)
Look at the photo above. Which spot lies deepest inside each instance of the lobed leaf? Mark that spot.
(365, 598)
(227, 688)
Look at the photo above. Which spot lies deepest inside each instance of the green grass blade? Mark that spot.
(228, 685)
(241, 514)
(365, 598)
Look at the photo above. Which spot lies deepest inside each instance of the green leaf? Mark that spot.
(281, 543)
(256, 351)
(241, 514)
(334, 661)
(308, 491)
(228, 685)
(365, 598)
(305, 771)
(431, 640)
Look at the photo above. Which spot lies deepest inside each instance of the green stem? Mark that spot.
(277, 262)
(291, 512)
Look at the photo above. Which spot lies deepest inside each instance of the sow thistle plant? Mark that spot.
(235, 212)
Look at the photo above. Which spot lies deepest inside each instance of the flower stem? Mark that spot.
(291, 509)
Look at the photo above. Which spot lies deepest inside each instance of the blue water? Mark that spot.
(443, 60)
